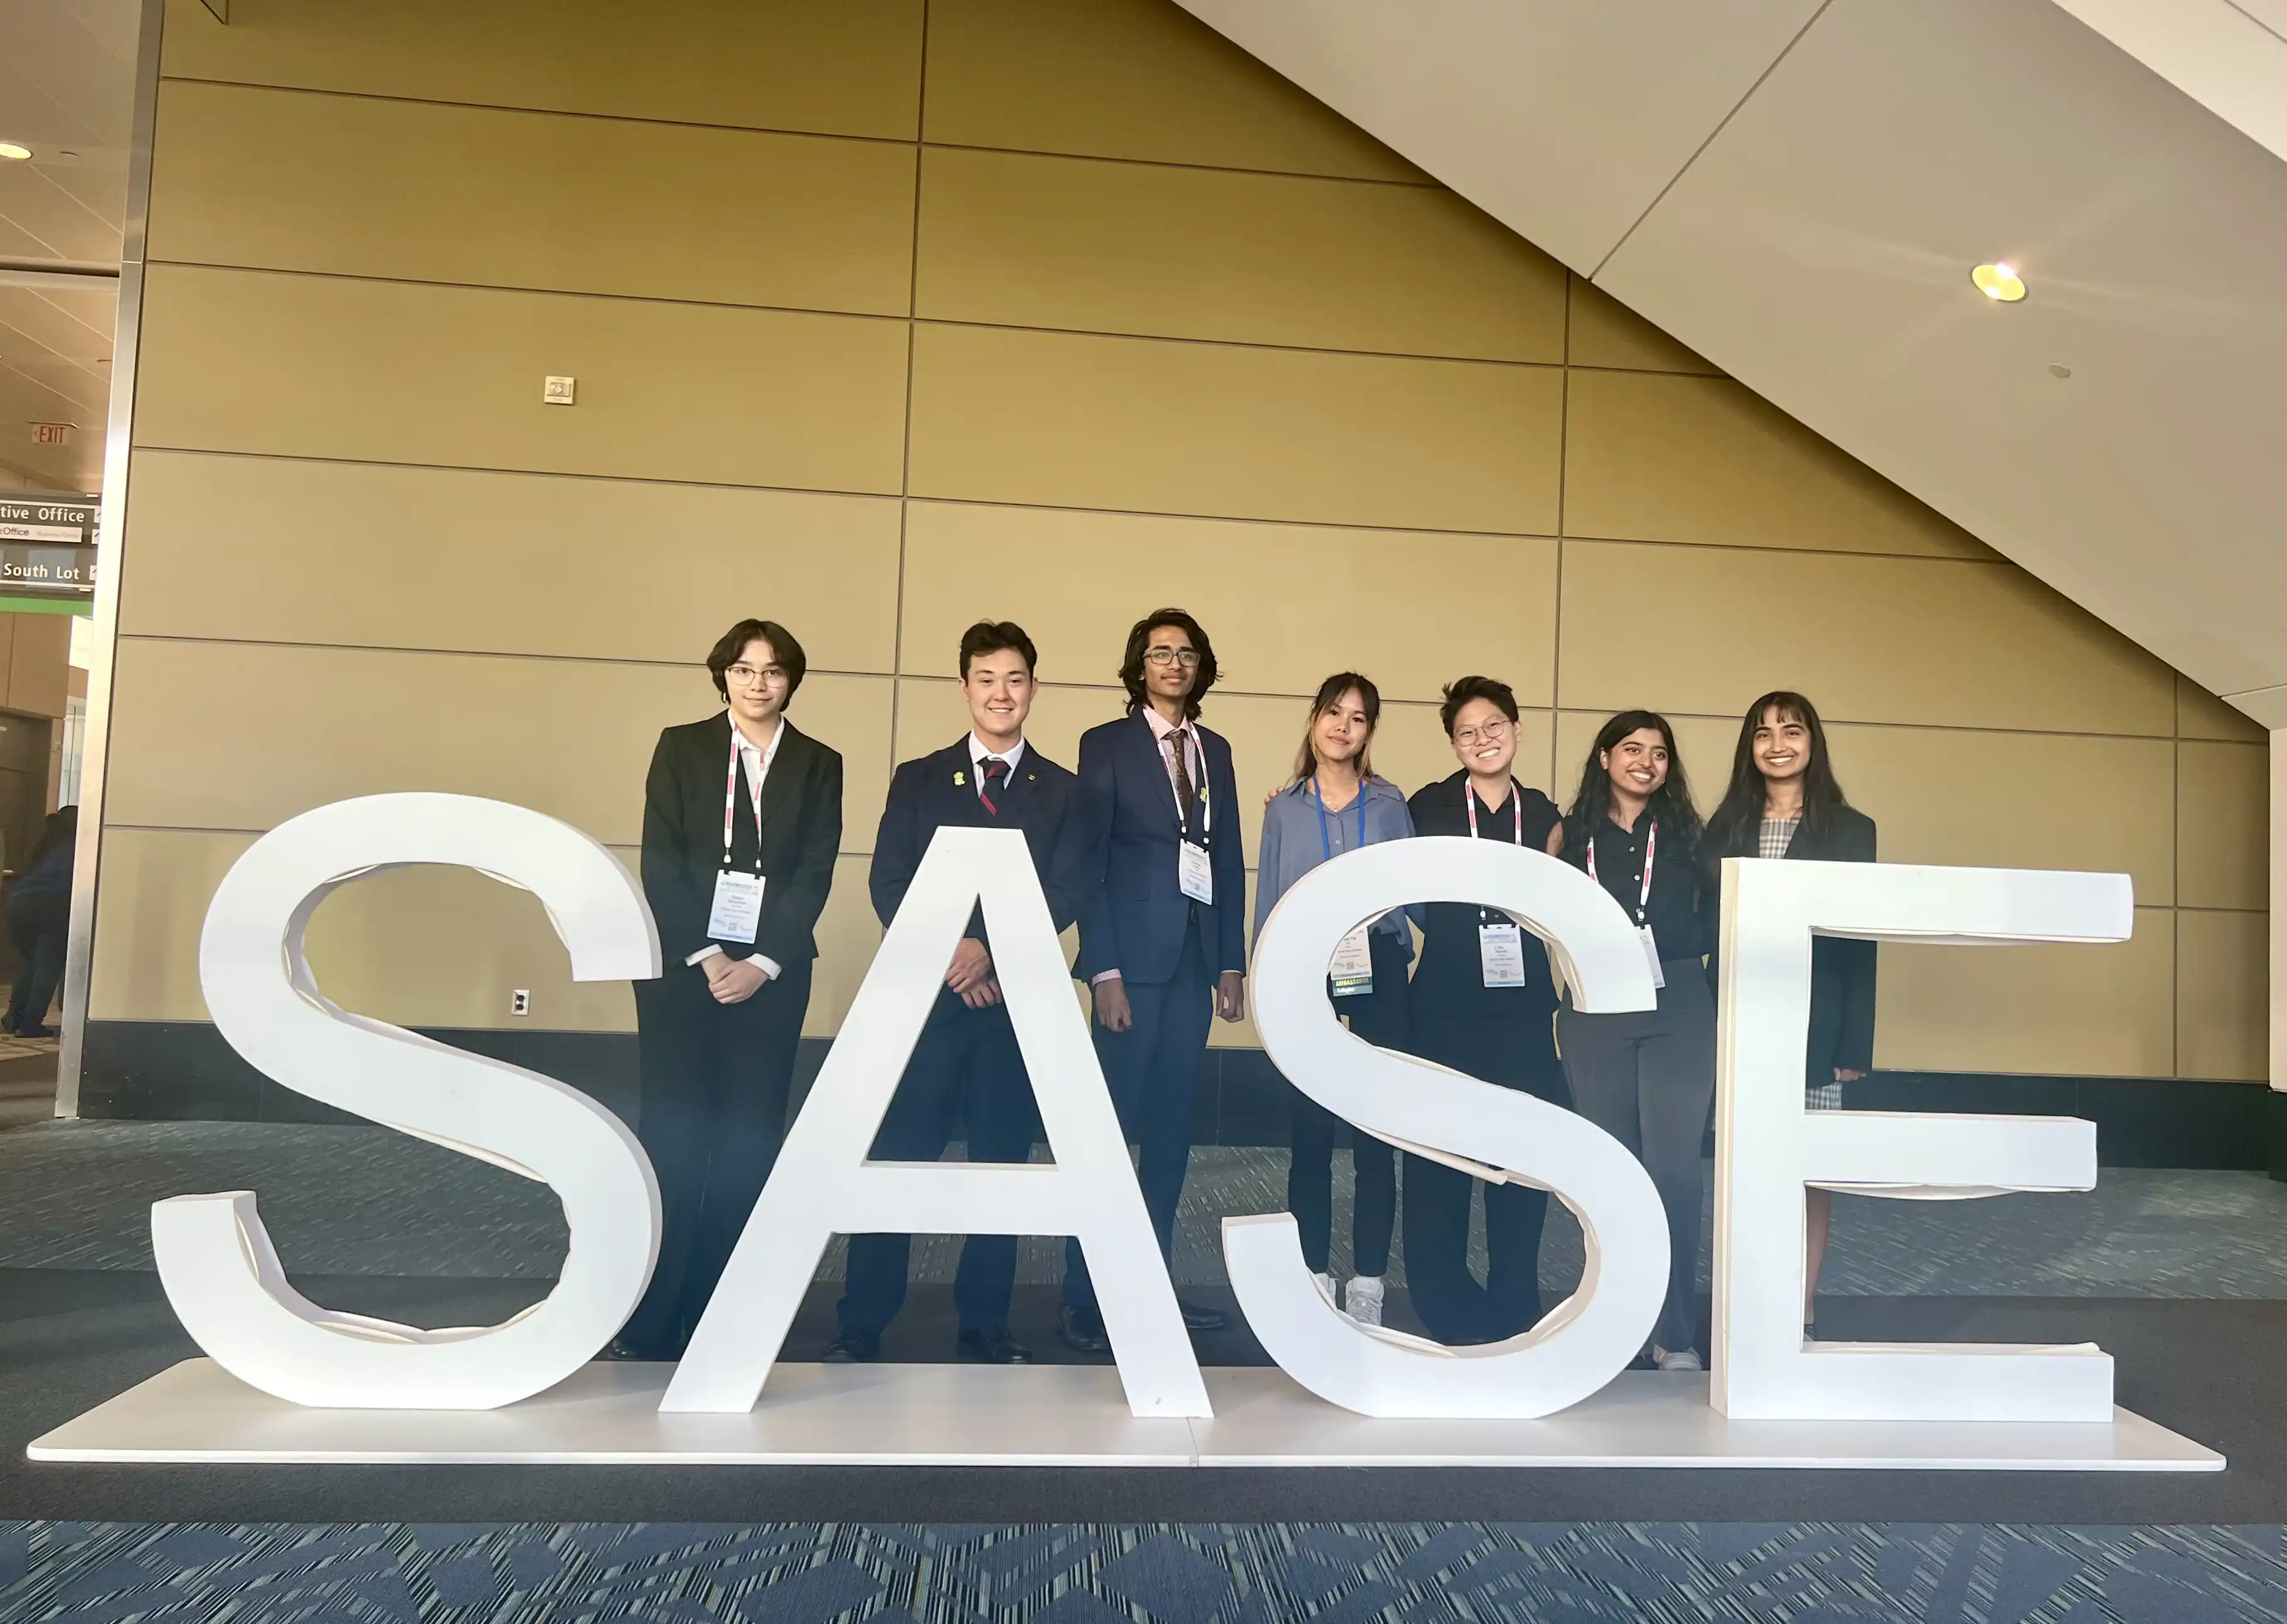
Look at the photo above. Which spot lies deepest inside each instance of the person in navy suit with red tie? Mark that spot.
(966, 1066)
(1163, 939)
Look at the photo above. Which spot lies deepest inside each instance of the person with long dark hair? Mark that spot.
(1648, 1078)
(1481, 1003)
(1335, 805)
(39, 923)
(1783, 802)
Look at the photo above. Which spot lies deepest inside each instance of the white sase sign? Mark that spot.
(223, 1280)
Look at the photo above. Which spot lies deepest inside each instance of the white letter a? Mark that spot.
(824, 1185)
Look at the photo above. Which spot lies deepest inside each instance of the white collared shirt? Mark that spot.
(978, 755)
(754, 760)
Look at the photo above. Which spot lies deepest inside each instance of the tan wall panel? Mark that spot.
(39, 663)
(1653, 458)
(850, 69)
(2200, 715)
(2223, 995)
(156, 885)
(1129, 79)
(1604, 332)
(386, 371)
(1190, 253)
(2068, 1011)
(8, 624)
(1895, 640)
(268, 549)
(2223, 855)
(1066, 420)
(531, 200)
(847, 935)
(1291, 603)
(243, 735)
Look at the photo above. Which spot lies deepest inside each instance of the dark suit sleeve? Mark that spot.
(794, 900)
(898, 845)
(680, 891)
(1098, 790)
(1854, 1050)
(1230, 865)
(1073, 860)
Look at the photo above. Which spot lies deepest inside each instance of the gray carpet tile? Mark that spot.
(1140, 1573)
(368, 1201)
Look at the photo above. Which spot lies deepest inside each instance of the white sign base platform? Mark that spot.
(1057, 1415)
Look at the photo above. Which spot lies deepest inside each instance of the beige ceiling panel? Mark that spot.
(1899, 640)
(849, 68)
(388, 372)
(2069, 1011)
(49, 222)
(2200, 715)
(476, 195)
(243, 735)
(2223, 799)
(1193, 253)
(39, 663)
(1067, 419)
(1129, 79)
(1265, 734)
(261, 549)
(2223, 995)
(1290, 603)
(1604, 332)
(1654, 457)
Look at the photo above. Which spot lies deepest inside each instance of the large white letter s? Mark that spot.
(1495, 1132)
(215, 1260)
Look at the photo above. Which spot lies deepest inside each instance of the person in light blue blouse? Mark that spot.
(1336, 805)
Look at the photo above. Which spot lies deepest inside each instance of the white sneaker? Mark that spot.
(1326, 1284)
(1362, 1298)
(1682, 1359)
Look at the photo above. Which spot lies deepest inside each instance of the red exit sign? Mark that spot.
(51, 434)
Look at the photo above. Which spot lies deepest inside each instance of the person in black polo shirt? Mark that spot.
(1648, 1078)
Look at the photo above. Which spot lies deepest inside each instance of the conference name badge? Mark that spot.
(1193, 873)
(1501, 954)
(1651, 954)
(738, 912)
(1352, 967)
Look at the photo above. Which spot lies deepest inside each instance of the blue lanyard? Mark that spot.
(1325, 840)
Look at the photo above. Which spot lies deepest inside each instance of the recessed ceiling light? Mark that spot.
(16, 150)
(2000, 282)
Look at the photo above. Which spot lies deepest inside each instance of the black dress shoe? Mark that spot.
(993, 1347)
(852, 1347)
(1082, 1330)
(1198, 1319)
(619, 1349)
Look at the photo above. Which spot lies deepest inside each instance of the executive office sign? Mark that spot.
(47, 547)
(287, 1379)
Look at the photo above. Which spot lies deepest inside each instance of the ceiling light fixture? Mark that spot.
(16, 150)
(2000, 282)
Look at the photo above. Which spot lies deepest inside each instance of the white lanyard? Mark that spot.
(730, 797)
(1651, 846)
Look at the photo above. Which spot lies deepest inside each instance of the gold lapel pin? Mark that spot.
(960, 777)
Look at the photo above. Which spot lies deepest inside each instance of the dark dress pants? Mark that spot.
(1516, 1051)
(1379, 1017)
(39, 929)
(1152, 1071)
(716, 1079)
(966, 1069)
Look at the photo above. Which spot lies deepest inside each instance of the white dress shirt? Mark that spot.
(978, 754)
(756, 761)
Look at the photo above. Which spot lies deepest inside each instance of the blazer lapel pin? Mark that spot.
(960, 777)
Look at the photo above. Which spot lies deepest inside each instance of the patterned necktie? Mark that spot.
(1179, 742)
(995, 771)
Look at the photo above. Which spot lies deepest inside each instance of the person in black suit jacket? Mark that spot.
(741, 803)
(967, 1065)
(1165, 945)
(1784, 802)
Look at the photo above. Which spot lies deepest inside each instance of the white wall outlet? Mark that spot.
(519, 1002)
(560, 391)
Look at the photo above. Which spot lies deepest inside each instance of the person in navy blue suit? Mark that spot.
(1163, 939)
(967, 1066)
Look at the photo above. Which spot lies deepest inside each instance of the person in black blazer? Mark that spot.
(966, 1065)
(1784, 802)
(1164, 942)
(742, 818)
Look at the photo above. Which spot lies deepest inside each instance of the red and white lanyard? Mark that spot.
(730, 797)
(1651, 846)
(1515, 801)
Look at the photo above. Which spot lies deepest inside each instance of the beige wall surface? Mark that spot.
(887, 317)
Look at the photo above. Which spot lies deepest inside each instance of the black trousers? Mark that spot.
(965, 1068)
(1380, 1018)
(716, 1079)
(1513, 1051)
(39, 929)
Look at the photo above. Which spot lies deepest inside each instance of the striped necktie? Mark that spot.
(995, 771)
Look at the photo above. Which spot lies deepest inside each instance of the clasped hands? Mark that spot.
(970, 975)
(732, 980)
